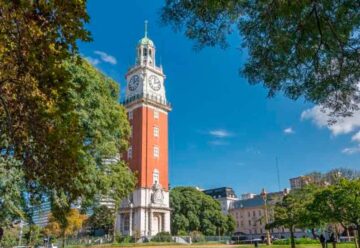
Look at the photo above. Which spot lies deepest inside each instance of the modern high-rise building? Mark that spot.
(147, 212)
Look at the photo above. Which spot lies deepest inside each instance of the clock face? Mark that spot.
(134, 82)
(154, 82)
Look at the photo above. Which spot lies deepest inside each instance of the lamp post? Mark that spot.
(264, 196)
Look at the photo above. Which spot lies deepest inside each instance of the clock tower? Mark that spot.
(146, 211)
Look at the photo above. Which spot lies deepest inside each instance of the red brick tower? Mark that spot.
(147, 210)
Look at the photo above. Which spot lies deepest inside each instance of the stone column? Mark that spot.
(167, 221)
(131, 220)
(150, 222)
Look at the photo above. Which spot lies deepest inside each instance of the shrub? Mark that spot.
(162, 237)
(10, 238)
(182, 233)
(197, 236)
(126, 239)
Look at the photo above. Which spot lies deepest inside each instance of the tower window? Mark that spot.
(145, 52)
(156, 132)
(130, 152)
(130, 115)
(156, 177)
(156, 151)
(156, 114)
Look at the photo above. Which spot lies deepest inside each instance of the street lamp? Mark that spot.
(264, 196)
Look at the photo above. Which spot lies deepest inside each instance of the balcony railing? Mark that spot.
(147, 97)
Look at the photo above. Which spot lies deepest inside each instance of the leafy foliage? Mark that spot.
(288, 213)
(102, 218)
(305, 49)
(74, 222)
(11, 185)
(340, 203)
(195, 211)
(197, 237)
(10, 238)
(162, 237)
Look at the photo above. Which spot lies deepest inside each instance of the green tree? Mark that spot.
(231, 225)
(288, 214)
(39, 136)
(195, 211)
(306, 49)
(102, 218)
(74, 224)
(11, 186)
(104, 130)
(340, 203)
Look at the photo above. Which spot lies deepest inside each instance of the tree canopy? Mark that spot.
(193, 210)
(102, 218)
(307, 49)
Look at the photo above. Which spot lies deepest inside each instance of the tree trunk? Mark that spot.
(114, 225)
(313, 233)
(63, 239)
(358, 235)
(292, 237)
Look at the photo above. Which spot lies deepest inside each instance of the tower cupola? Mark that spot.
(145, 50)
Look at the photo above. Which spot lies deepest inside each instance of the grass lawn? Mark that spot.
(171, 245)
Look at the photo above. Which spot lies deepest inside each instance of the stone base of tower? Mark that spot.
(145, 213)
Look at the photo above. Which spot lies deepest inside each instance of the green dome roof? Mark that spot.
(146, 41)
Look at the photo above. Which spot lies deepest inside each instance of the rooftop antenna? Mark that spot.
(146, 32)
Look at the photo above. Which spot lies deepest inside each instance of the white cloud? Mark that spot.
(288, 130)
(356, 137)
(344, 125)
(351, 150)
(92, 61)
(220, 133)
(321, 119)
(107, 58)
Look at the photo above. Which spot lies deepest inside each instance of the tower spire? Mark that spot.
(146, 32)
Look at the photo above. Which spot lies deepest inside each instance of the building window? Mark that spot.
(242, 223)
(130, 115)
(156, 132)
(254, 214)
(130, 152)
(156, 151)
(249, 214)
(249, 222)
(131, 131)
(156, 114)
(156, 177)
(126, 222)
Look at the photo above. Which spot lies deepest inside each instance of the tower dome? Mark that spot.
(146, 41)
(145, 50)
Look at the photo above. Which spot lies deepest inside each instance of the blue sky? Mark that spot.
(222, 131)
